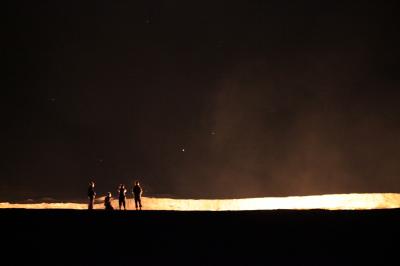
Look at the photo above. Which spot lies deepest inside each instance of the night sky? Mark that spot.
(203, 99)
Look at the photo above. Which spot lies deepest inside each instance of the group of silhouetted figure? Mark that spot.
(136, 191)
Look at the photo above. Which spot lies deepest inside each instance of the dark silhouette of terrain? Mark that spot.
(70, 237)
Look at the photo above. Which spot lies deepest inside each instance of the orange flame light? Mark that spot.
(329, 202)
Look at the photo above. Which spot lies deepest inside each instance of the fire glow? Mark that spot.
(327, 202)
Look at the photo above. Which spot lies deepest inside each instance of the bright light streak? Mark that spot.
(328, 202)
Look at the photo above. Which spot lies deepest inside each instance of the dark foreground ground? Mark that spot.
(67, 237)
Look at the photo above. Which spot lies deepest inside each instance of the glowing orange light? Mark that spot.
(329, 202)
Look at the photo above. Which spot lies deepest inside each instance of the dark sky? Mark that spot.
(267, 98)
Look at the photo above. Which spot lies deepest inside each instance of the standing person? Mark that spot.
(137, 194)
(91, 195)
(107, 202)
(122, 196)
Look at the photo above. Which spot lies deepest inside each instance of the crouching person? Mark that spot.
(107, 202)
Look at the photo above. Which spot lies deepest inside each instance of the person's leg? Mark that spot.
(124, 204)
(91, 202)
(119, 203)
(136, 203)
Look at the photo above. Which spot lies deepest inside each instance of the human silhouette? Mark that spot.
(91, 195)
(122, 196)
(137, 194)
(107, 202)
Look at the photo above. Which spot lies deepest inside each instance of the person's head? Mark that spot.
(91, 183)
(137, 183)
(109, 194)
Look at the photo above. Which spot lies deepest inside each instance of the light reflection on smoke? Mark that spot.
(329, 202)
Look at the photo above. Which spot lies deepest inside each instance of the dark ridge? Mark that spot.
(282, 237)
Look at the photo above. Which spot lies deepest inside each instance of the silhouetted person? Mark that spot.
(91, 195)
(122, 196)
(137, 194)
(107, 202)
